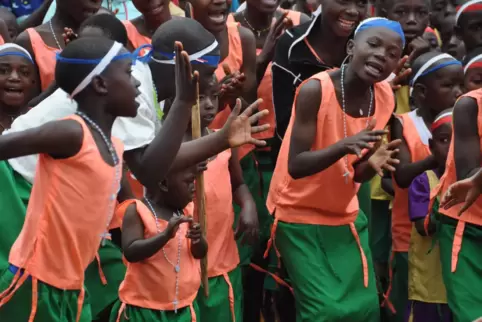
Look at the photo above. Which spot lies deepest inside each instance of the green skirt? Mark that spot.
(53, 305)
(15, 192)
(463, 286)
(103, 296)
(326, 272)
(138, 314)
(399, 292)
(217, 306)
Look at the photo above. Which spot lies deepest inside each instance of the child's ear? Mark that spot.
(419, 92)
(99, 85)
(163, 186)
(430, 145)
(349, 47)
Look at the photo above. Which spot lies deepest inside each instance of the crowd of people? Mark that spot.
(337, 164)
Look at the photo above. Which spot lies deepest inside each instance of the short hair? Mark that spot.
(67, 75)
(388, 4)
(189, 32)
(424, 58)
(113, 28)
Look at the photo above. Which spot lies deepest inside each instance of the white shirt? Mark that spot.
(134, 132)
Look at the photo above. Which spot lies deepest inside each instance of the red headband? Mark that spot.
(447, 118)
(474, 7)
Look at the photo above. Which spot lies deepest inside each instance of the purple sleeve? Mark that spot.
(418, 197)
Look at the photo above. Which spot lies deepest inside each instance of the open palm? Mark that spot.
(465, 191)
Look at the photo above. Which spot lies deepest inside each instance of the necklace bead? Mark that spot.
(55, 36)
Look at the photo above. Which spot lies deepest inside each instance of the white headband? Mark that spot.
(15, 46)
(192, 57)
(473, 60)
(106, 60)
(463, 7)
(429, 63)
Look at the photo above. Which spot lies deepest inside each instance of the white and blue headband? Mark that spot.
(22, 52)
(377, 22)
(473, 5)
(200, 57)
(430, 66)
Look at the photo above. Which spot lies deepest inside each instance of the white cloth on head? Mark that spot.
(134, 132)
(9, 45)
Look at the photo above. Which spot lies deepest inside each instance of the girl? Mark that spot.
(437, 83)
(163, 246)
(17, 79)
(44, 41)
(473, 70)
(426, 290)
(467, 19)
(72, 222)
(318, 229)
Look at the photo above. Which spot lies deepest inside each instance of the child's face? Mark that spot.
(17, 79)
(451, 44)
(441, 10)
(343, 15)
(265, 6)
(413, 15)
(440, 142)
(151, 8)
(179, 190)
(11, 23)
(469, 29)
(79, 10)
(208, 101)
(122, 88)
(212, 14)
(376, 53)
(443, 87)
(473, 79)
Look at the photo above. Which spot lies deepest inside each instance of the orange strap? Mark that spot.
(230, 295)
(272, 242)
(34, 299)
(426, 223)
(313, 51)
(362, 254)
(277, 279)
(193, 313)
(122, 309)
(457, 245)
(386, 296)
(101, 272)
(80, 304)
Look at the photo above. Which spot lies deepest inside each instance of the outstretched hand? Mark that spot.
(239, 129)
(275, 32)
(465, 191)
(384, 157)
(402, 73)
(357, 143)
(69, 35)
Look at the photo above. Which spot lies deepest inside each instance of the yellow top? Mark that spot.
(176, 11)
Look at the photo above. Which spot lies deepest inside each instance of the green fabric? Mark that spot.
(137, 314)
(365, 200)
(464, 285)
(380, 232)
(15, 192)
(251, 178)
(325, 270)
(216, 307)
(54, 305)
(102, 296)
(399, 293)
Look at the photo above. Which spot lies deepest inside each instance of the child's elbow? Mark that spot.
(294, 171)
(131, 256)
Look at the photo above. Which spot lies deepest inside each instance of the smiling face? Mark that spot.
(212, 14)
(343, 16)
(17, 79)
(413, 15)
(376, 52)
(264, 6)
(79, 10)
(151, 8)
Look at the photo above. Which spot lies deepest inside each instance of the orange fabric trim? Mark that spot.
(122, 309)
(230, 295)
(193, 313)
(34, 299)
(426, 222)
(80, 303)
(101, 272)
(16, 284)
(457, 245)
(276, 278)
(362, 254)
(313, 51)
(271, 242)
(386, 296)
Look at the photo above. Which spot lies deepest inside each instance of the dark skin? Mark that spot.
(383, 48)
(437, 92)
(170, 197)
(17, 81)
(469, 29)
(10, 23)
(260, 16)
(69, 14)
(441, 10)
(473, 79)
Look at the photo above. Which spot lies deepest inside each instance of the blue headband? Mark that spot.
(15, 53)
(134, 56)
(378, 22)
(431, 66)
(200, 57)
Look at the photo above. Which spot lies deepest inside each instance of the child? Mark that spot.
(460, 228)
(11, 22)
(44, 41)
(141, 29)
(319, 229)
(473, 70)
(163, 246)
(45, 285)
(426, 290)
(437, 83)
(17, 78)
(467, 20)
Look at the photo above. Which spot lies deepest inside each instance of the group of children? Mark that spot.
(340, 154)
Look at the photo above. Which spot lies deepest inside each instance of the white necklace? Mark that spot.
(55, 36)
(346, 174)
(177, 266)
(117, 176)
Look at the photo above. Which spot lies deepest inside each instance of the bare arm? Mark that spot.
(23, 40)
(466, 138)
(248, 42)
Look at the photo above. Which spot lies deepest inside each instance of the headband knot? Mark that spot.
(377, 22)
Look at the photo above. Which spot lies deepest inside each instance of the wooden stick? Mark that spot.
(200, 199)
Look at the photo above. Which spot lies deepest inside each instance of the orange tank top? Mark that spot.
(151, 283)
(265, 91)
(67, 214)
(414, 133)
(223, 254)
(2, 41)
(235, 62)
(137, 40)
(317, 199)
(473, 215)
(44, 58)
